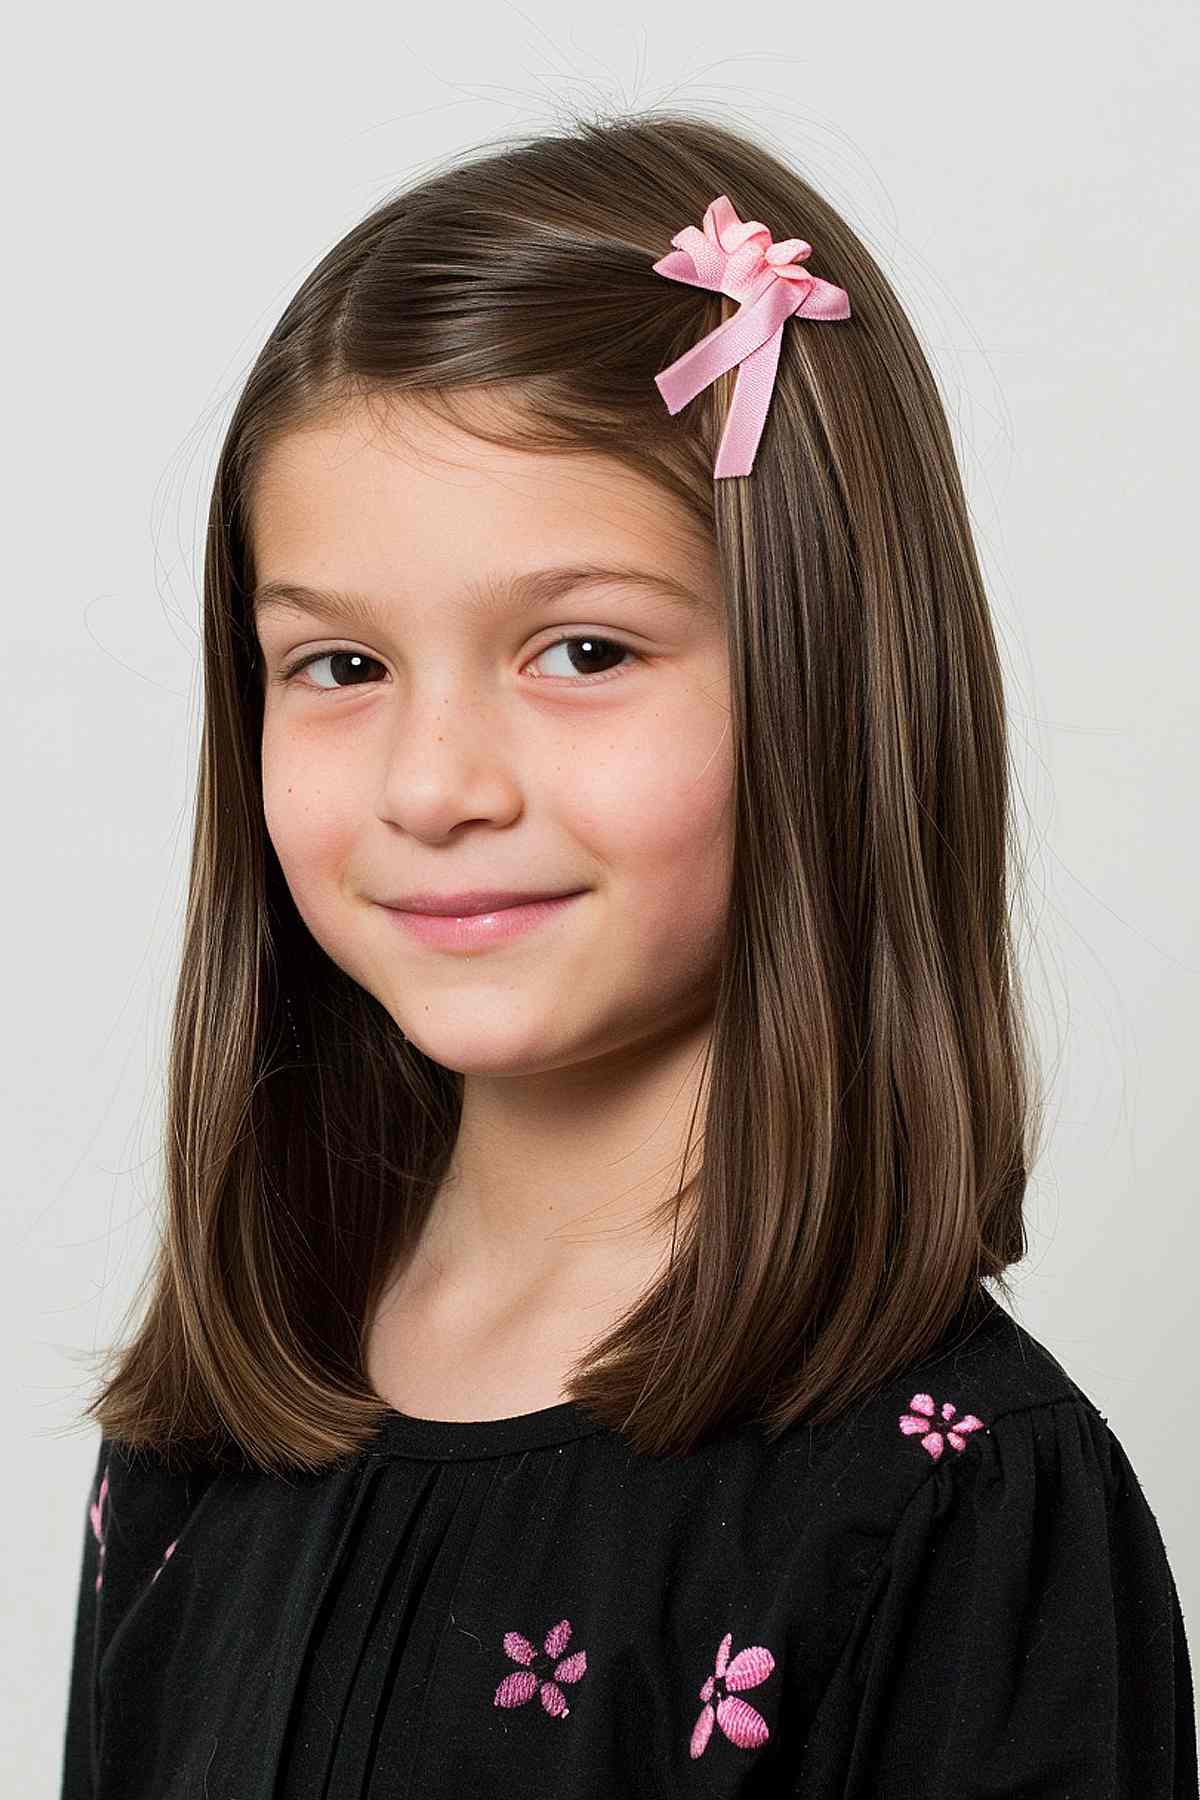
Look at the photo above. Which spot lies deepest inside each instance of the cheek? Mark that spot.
(311, 825)
(662, 828)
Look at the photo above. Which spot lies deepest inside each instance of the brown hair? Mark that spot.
(869, 1105)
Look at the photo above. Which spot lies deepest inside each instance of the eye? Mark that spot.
(593, 649)
(351, 661)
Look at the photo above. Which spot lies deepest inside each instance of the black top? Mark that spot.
(957, 1590)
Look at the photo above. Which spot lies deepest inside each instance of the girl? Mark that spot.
(599, 1090)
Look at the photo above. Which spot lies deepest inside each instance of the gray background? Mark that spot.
(1025, 176)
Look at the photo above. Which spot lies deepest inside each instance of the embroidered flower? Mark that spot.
(96, 1513)
(921, 1417)
(524, 1683)
(162, 1565)
(739, 1721)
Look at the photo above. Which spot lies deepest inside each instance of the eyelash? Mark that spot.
(293, 669)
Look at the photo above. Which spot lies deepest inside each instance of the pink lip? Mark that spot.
(481, 900)
(477, 931)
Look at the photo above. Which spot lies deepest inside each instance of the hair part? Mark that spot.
(870, 1106)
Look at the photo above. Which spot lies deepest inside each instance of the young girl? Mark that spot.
(599, 1089)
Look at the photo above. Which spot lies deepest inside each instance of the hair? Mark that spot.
(870, 1106)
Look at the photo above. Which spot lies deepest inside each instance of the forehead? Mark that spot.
(368, 504)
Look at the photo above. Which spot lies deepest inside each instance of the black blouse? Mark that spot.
(956, 1590)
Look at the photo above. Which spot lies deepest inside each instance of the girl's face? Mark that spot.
(444, 738)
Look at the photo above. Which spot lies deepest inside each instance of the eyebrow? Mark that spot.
(526, 590)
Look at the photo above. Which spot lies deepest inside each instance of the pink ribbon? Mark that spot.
(736, 257)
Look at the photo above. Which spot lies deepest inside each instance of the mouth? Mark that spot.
(480, 930)
(481, 900)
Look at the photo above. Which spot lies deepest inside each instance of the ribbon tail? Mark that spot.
(754, 324)
(748, 409)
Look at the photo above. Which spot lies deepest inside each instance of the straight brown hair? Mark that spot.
(871, 1108)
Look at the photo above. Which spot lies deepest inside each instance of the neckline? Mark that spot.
(463, 1440)
(402, 1434)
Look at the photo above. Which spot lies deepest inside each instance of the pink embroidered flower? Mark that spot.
(524, 1683)
(921, 1419)
(739, 1721)
(96, 1515)
(162, 1565)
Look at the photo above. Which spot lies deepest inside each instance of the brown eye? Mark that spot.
(583, 653)
(351, 663)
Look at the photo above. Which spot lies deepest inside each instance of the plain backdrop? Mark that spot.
(1027, 178)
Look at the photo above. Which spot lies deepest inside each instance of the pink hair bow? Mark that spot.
(736, 257)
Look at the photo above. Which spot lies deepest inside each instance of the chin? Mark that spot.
(510, 1047)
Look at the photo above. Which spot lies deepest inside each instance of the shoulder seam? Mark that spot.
(1069, 1396)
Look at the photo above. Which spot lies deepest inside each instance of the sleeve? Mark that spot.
(78, 1758)
(1024, 1637)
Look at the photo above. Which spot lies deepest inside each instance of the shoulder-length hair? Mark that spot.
(869, 1098)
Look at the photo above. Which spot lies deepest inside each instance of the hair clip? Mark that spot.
(739, 258)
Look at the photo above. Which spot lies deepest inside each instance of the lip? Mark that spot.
(479, 931)
(479, 900)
